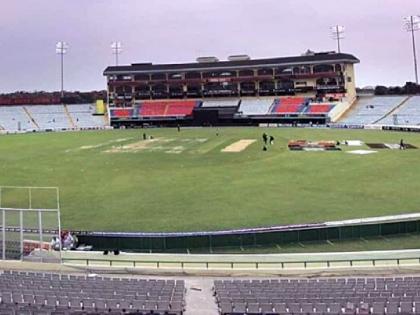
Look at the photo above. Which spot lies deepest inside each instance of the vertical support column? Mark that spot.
(21, 233)
(133, 92)
(30, 197)
(40, 228)
(59, 221)
(4, 233)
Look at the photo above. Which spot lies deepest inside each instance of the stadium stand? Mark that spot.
(153, 109)
(83, 117)
(369, 110)
(319, 108)
(48, 293)
(222, 83)
(407, 114)
(49, 116)
(167, 108)
(255, 106)
(14, 118)
(397, 295)
(291, 105)
(183, 108)
(121, 112)
(221, 103)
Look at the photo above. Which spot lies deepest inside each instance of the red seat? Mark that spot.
(290, 105)
(167, 108)
(153, 109)
(121, 113)
(182, 108)
(319, 108)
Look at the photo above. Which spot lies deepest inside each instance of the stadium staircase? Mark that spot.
(346, 109)
(393, 110)
(66, 110)
(106, 118)
(274, 106)
(165, 112)
(30, 117)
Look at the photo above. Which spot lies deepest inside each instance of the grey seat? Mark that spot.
(378, 308)
(307, 308)
(280, 308)
(406, 308)
(392, 308)
(225, 308)
(125, 306)
(334, 308)
(239, 308)
(294, 308)
(253, 308)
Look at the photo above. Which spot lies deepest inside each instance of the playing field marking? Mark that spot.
(176, 150)
(209, 145)
(132, 147)
(361, 152)
(239, 146)
(166, 145)
(94, 146)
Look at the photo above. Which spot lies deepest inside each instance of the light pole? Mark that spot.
(61, 49)
(337, 33)
(116, 50)
(412, 24)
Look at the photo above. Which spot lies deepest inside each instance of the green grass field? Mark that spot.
(113, 180)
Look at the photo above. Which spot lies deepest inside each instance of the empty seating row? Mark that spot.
(221, 103)
(167, 108)
(82, 115)
(318, 108)
(255, 106)
(121, 112)
(247, 107)
(397, 295)
(14, 118)
(49, 116)
(407, 114)
(289, 105)
(55, 292)
(369, 110)
(43, 117)
(377, 308)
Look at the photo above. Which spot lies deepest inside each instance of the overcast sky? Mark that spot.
(165, 31)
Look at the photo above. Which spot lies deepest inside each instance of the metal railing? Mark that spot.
(241, 265)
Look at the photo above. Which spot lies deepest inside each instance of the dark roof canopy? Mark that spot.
(196, 66)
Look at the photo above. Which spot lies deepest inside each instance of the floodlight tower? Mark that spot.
(61, 49)
(116, 50)
(337, 33)
(412, 24)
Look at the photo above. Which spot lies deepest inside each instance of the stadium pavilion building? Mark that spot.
(313, 87)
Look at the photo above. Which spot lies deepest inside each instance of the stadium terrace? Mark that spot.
(313, 87)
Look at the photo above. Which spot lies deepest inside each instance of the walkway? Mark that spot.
(199, 297)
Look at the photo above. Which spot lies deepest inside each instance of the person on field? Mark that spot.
(265, 138)
(68, 242)
(271, 140)
(55, 243)
(178, 127)
(402, 145)
(144, 136)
